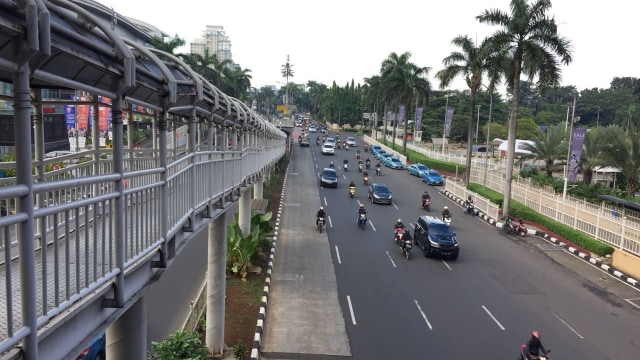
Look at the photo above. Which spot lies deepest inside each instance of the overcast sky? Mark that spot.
(347, 40)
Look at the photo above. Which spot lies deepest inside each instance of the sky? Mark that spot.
(347, 40)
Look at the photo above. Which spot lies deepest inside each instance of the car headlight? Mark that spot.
(433, 243)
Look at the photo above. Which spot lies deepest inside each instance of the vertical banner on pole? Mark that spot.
(447, 121)
(418, 125)
(577, 142)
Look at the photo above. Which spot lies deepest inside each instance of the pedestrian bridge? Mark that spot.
(81, 241)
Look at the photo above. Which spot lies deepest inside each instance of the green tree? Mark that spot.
(591, 153)
(168, 45)
(527, 129)
(287, 72)
(404, 81)
(528, 39)
(180, 345)
(471, 61)
(548, 146)
(622, 151)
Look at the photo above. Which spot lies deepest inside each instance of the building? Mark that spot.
(216, 41)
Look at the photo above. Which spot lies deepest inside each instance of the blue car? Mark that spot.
(417, 169)
(95, 351)
(394, 163)
(432, 177)
(374, 149)
(379, 154)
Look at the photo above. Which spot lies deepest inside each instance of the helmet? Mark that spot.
(446, 208)
(321, 208)
(535, 334)
(361, 206)
(520, 220)
(469, 197)
(399, 220)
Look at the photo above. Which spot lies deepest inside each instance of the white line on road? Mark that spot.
(330, 223)
(338, 255)
(325, 200)
(390, 259)
(447, 265)
(569, 326)
(353, 317)
(424, 316)
(394, 205)
(493, 317)
(371, 223)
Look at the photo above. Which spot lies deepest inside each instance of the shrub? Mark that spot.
(179, 346)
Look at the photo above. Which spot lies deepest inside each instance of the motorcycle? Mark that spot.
(360, 167)
(352, 192)
(338, 145)
(358, 156)
(469, 208)
(366, 147)
(362, 221)
(320, 224)
(513, 228)
(522, 356)
(406, 249)
(447, 220)
(368, 165)
(426, 204)
(318, 142)
(345, 166)
(378, 171)
(332, 166)
(365, 179)
(398, 235)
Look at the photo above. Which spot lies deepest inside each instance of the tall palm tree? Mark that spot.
(591, 153)
(548, 146)
(404, 81)
(238, 81)
(168, 45)
(374, 93)
(287, 71)
(471, 62)
(621, 149)
(529, 39)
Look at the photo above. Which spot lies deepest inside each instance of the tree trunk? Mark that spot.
(467, 172)
(511, 142)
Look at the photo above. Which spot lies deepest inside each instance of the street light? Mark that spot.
(444, 133)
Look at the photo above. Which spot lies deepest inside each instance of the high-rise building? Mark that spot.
(215, 40)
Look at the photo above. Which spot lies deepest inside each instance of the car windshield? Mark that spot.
(434, 173)
(351, 138)
(329, 173)
(440, 230)
(381, 189)
(421, 167)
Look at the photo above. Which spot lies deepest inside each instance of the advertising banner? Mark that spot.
(577, 141)
(447, 121)
(418, 119)
(400, 114)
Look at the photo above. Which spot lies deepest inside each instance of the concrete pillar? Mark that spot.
(258, 188)
(216, 284)
(244, 212)
(127, 336)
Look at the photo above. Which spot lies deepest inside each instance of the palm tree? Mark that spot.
(404, 80)
(374, 92)
(548, 146)
(471, 62)
(168, 45)
(530, 40)
(287, 71)
(238, 81)
(591, 153)
(621, 149)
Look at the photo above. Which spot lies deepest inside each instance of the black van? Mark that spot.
(434, 237)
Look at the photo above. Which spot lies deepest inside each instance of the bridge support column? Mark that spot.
(127, 336)
(258, 188)
(244, 212)
(216, 284)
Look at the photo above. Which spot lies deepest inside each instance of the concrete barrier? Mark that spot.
(627, 263)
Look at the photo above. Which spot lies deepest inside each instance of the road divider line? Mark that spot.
(390, 259)
(330, 223)
(353, 316)
(338, 255)
(569, 326)
(394, 205)
(424, 316)
(371, 223)
(447, 265)
(325, 200)
(493, 317)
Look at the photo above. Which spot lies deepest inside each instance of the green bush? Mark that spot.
(180, 345)
(240, 351)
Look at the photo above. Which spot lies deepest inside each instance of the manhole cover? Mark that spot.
(635, 302)
(550, 247)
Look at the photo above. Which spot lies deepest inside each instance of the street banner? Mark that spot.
(447, 121)
(400, 114)
(418, 119)
(579, 134)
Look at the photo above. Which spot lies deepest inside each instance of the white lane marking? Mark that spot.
(338, 255)
(344, 176)
(394, 205)
(447, 265)
(330, 223)
(353, 317)
(424, 316)
(493, 317)
(412, 226)
(569, 326)
(390, 259)
(325, 200)
(371, 223)
(316, 165)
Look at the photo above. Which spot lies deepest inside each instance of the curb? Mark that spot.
(257, 337)
(577, 252)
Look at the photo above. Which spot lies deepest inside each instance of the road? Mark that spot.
(484, 305)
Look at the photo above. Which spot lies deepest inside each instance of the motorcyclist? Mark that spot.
(445, 212)
(425, 196)
(345, 162)
(352, 186)
(360, 165)
(406, 237)
(468, 203)
(331, 165)
(361, 210)
(368, 163)
(378, 168)
(534, 346)
(320, 214)
(398, 225)
(520, 224)
(345, 145)
(509, 223)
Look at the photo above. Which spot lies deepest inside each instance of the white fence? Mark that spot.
(615, 226)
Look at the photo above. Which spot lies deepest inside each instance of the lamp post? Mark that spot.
(566, 168)
(477, 124)
(486, 150)
(444, 132)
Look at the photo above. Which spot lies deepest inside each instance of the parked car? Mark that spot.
(95, 351)
(379, 154)
(417, 169)
(434, 237)
(432, 177)
(379, 194)
(374, 149)
(394, 163)
(329, 178)
(351, 141)
(327, 149)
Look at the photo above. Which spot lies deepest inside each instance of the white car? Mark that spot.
(351, 141)
(313, 129)
(327, 149)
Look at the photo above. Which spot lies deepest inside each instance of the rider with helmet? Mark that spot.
(320, 214)
(468, 204)
(425, 196)
(352, 187)
(534, 346)
(445, 212)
